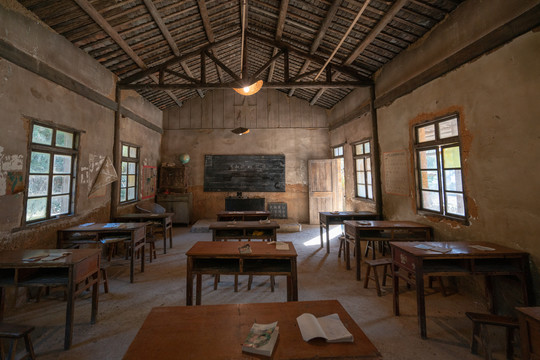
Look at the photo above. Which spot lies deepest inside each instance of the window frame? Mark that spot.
(136, 161)
(363, 156)
(338, 156)
(52, 150)
(438, 145)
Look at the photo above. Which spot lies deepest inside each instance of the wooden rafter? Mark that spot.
(104, 24)
(268, 85)
(279, 33)
(203, 10)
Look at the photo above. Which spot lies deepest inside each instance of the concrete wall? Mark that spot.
(25, 95)
(278, 125)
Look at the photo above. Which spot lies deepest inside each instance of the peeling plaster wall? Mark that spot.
(25, 95)
(297, 131)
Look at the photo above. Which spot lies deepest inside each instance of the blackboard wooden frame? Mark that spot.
(249, 173)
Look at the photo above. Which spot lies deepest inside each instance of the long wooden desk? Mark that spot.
(224, 258)
(216, 332)
(237, 230)
(529, 330)
(462, 260)
(165, 219)
(77, 271)
(337, 218)
(242, 215)
(382, 230)
(137, 232)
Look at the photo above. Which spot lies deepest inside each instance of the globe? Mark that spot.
(184, 158)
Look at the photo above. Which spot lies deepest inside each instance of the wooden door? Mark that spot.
(324, 188)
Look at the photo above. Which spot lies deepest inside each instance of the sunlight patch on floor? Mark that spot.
(334, 231)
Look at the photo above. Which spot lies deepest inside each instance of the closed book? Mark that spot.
(261, 339)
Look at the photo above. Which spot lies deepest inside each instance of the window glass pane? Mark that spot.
(359, 164)
(430, 181)
(368, 176)
(42, 135)
(451, 157)
(428, 159)
(367, 148)
(123, 194)
(60, 184)
(361, 191)
(64, 139)
(39, 163)
(131, 194)
(59, 205)
(426, 133)
(430, 200)
(38, 185)
(360, 177)
(123, 180)
(369, 192)
(62, 164)
(36, 209)
(124, 167)
(131, 180)
(368, 163)
(131, 168)
(448, 128)
(455, 204)
(359, 149)
(125, 150)
(133, 152)
(452, 180)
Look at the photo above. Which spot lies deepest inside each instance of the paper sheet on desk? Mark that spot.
(281, 245)
(480, 247)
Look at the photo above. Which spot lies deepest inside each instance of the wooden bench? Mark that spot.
(480, 333)
(373, 265)
(14, 332)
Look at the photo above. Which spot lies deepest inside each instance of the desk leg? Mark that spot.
(395, 284)
(2, 302)
(70, 311)
(164, 224)
(321, 229)
(358, 257)
(327, 239)
(95, 296)
(420, 300)
(143, 248)
(198, 290)
(294, 281)
(189, 282)
(132, 258)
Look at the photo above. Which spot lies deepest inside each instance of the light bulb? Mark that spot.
(246, 89)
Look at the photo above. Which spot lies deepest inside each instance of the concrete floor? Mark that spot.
(321, 276)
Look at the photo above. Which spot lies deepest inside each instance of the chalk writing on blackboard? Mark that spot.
(396, 174)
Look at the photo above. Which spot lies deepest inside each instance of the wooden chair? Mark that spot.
(155, 208)
(373, 265)
(14, 332)
(481, 336)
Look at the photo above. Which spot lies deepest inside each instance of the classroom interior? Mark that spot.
(426, 77)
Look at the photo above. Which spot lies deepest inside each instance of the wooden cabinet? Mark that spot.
(172, 179)
(529, 327)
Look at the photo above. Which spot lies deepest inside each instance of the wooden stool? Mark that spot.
(104, 279)
(373, 264)
(341, 246)
(15, 332)
(272, 282)
(480, 333)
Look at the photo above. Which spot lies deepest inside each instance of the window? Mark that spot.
(130, 171)
(337, 151)
(362, 163)
(51, 175)
(438, 163)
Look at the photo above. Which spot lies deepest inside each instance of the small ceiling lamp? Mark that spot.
(240, 130)
(251, 89)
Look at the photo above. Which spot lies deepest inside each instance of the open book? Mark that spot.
(261, 339)
(327, 327)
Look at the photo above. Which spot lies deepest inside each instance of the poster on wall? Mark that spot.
(396, 173)
(149, 182)
(106, 175)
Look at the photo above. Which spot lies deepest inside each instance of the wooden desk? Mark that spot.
(216, 332)
(223, 258)
(337, 218)
(381, 230)
(242, 215)
(78, 272)
(165, 219)
(248, 230)
(529, 331)
(137, 231)
(462, 260)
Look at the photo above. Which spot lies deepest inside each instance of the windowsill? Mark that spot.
(459, 220)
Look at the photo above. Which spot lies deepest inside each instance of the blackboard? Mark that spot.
(234, 173)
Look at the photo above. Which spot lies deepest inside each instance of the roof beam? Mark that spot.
(279, 33)
(100, 20)
(203, 10)
(268, 85)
